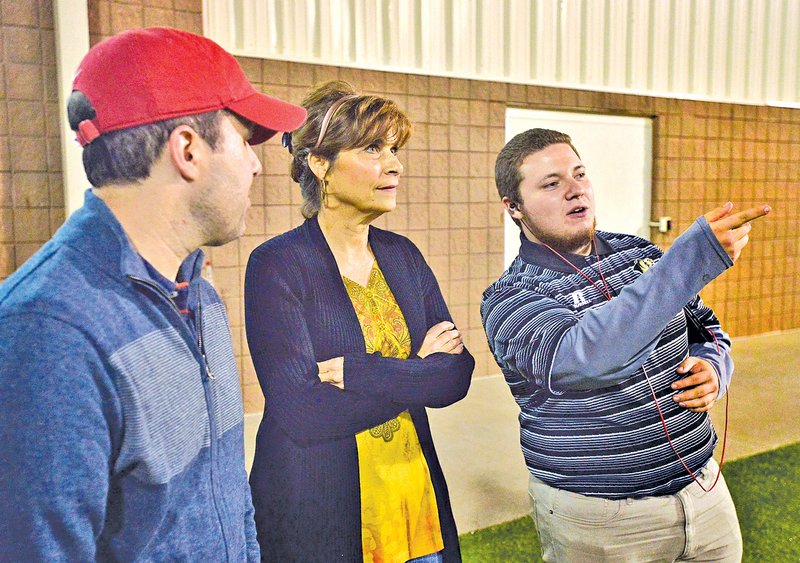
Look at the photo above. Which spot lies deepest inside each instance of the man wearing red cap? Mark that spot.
(121, 421)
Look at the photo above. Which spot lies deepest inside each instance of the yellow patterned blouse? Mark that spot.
(399, 516)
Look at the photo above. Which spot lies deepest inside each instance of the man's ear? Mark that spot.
(186, 151)
(319, 165)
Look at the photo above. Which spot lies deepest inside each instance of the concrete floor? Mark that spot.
(478, 438)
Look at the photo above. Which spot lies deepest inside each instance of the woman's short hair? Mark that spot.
(358, 121)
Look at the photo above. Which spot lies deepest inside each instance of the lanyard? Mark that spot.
(605, 291)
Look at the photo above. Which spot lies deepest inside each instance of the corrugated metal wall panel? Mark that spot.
(791, 72)
(681, 53)
(544, 46)
(492, 39)
(593, 36)
(728, 50)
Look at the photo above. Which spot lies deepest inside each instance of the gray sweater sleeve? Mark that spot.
(610, 343)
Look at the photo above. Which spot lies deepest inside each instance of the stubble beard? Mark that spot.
(572, 244)
(214, 223)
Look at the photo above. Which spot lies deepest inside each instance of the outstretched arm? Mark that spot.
(632, 321)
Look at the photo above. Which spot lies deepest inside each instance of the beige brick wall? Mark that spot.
(31, 193)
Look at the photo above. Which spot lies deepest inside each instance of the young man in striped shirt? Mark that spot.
(606, 345)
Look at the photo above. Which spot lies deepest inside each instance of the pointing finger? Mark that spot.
(739, 219)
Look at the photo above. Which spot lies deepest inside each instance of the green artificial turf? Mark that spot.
(765, 488)
(513, 541)
(766, 491)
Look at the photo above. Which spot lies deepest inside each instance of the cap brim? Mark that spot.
(269, 114)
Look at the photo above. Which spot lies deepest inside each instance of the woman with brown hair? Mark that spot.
(351, 340)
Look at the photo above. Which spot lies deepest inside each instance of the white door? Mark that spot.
(617, 152)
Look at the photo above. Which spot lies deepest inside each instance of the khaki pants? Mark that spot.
(691, 525)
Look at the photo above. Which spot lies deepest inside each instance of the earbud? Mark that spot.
(512, 207)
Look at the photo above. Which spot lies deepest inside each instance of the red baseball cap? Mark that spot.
(147, 75)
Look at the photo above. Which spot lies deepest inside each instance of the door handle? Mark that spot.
(663, 224)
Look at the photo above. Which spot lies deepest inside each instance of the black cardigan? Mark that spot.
(304, 478)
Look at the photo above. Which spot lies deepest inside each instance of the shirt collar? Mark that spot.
(540, 255)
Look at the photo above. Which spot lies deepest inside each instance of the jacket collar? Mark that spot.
(540, 255)
(94, 231)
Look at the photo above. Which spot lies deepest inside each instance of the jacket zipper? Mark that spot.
(199, 327)
(209, 403)
(198, 321)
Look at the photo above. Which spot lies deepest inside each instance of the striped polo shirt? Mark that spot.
(606, 442)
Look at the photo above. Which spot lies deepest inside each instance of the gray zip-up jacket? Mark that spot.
(121, 433)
